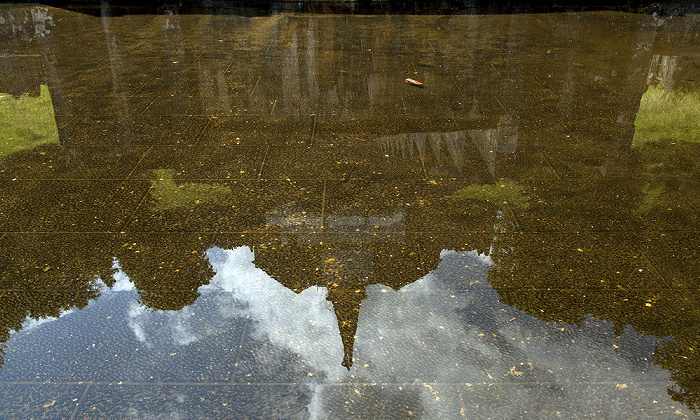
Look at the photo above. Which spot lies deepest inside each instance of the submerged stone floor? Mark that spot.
(221, 216)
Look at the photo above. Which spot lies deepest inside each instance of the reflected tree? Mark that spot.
(681, 359)
(167, 270)
(44, 275)
(565, 277)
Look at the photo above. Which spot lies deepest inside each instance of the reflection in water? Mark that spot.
(428, 333)
(27, 121)
(667, 115)
(347, 254)
(275, 309)
(263, 201)
(489, 143)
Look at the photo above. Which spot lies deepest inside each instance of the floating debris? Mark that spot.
(413, 82)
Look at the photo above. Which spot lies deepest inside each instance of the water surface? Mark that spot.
(220, 216)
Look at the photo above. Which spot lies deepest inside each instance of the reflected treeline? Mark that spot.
(45, 275)
(548, 278)
(566, 277)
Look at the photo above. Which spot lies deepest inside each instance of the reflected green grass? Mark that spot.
(169, 195)
(667, 143)
(667, 115)
(26, 122)
(500, 193)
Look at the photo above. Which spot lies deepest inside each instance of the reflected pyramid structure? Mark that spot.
(368, 234)
(348, 253)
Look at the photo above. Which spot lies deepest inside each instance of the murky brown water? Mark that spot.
(218, 216)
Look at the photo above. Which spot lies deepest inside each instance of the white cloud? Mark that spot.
(303, 323)
(122, 282)
(29, 324)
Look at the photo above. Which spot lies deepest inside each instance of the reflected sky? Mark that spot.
(428, 336)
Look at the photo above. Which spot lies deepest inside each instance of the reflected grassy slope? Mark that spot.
(667, 115)
(667, 143)
(169, 195)
(667, 133)
(501, 193)
(26, 122)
